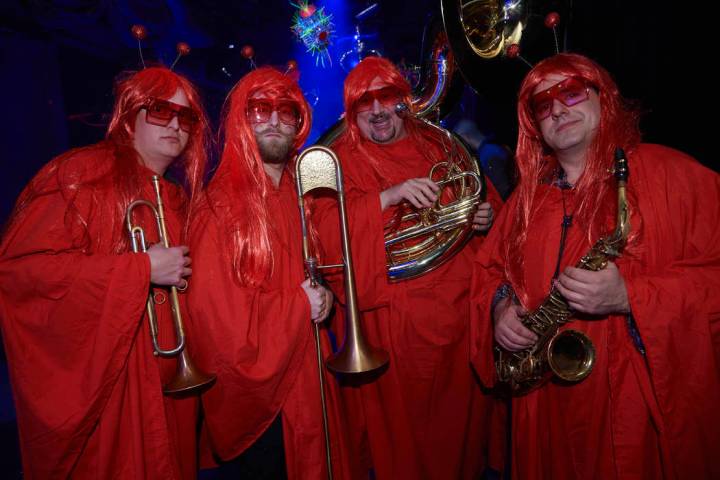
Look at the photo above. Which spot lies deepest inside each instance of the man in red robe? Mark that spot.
(249, 297)
(648, 408)
(424, 416)
(87, 388)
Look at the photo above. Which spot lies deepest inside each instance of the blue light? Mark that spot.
(325, 84)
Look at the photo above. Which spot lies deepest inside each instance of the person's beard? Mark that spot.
(274, 149)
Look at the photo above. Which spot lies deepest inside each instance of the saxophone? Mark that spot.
(568, 354)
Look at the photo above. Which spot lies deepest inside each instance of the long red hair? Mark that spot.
(238, 191)
(535, 161)
(122, 171)
(130, 95)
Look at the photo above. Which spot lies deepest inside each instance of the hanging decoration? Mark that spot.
(314, 29)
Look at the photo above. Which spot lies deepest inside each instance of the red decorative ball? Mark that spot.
(552, 19)
(247, 52)
(513, 51)
(183, 48)
(307, 11)
(292, 65)
(139, 31)
(323, 36)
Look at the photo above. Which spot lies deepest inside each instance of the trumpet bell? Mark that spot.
(188, 377)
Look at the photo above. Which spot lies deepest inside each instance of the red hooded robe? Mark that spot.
(87, 388)
(260, 344)
(635, 416)
(424, 417)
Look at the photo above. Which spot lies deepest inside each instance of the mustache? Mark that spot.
(379, 117)
(270, 129)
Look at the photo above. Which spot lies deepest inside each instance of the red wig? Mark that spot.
(123, 171)
(356, 84)
(130, 95)
(535, 160)
(239, 188)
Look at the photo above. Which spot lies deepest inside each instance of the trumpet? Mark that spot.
(188, 377)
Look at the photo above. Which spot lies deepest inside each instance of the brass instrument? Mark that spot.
(423, 239)
(318, 167)
(474, 31)
(477, 34)
(187, 377)
(568, 354)
(480, 32)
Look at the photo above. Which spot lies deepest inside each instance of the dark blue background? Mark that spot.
(58, 61)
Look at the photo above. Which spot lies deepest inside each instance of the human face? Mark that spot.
(159, 145)
(376, 118)
(273, 126)
(567, 129)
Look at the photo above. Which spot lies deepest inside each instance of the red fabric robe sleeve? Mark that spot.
(488, 275)
(70, 317)
(673, 293)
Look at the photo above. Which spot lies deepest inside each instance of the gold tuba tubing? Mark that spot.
(422, 240)
(188, 377)
(318, 167)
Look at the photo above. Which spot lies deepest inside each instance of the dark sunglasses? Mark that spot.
(387, 96)
(161, 112)
(569, 92)
(260, 110)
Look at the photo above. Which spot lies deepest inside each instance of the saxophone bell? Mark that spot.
(571, 355)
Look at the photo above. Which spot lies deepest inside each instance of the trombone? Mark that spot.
(318, 167)
(188, 377)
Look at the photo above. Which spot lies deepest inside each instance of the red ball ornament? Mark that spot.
(513, 51)
(552, 19)
(307, 11)
(139, 32)
(247, 52)
(323, 36)
(292, 65)
(183, 48)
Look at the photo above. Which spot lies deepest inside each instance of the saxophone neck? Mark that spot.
(622, 227)
(621, 172)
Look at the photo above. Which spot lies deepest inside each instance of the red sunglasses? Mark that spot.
(161, 112)
(260, 110)
(388, 96)
(569, 92)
